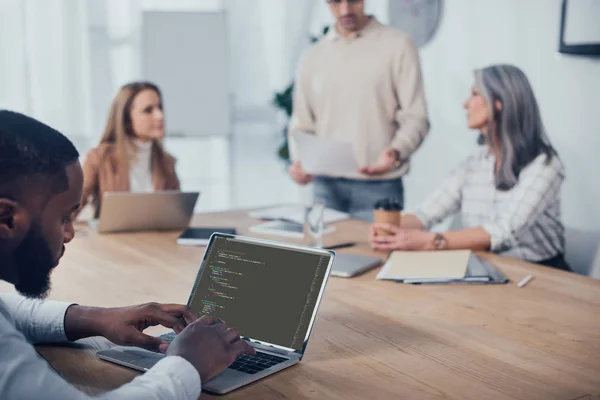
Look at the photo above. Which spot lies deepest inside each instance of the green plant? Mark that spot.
(284, 101)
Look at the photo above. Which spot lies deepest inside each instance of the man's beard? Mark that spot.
(34, 263)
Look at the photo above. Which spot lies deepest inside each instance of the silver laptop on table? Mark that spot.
(153, 211)
(350, 265)
(269, 292)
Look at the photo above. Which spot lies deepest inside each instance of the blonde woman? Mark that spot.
(130, 155)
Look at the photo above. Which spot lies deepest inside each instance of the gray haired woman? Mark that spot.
(507, 193)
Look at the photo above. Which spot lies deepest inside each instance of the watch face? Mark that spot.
(419, 18)
(440, 242)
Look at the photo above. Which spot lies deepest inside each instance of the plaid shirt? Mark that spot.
(523, 222)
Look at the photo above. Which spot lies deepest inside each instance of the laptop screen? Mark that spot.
(266, 292)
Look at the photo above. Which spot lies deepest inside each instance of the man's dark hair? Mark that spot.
(29, 147)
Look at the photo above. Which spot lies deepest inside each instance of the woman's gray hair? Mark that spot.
(515, 130)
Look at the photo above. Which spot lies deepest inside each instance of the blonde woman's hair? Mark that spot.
(119, 128)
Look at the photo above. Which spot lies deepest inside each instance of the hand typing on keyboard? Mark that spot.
(209, 345)
(246, 363)
(125, 325)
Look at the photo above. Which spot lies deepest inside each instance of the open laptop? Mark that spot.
(267, 291)
(350, 265)
(153, 211)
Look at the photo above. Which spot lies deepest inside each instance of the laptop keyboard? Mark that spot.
(168, 337)
(256, 363)
(245, 363)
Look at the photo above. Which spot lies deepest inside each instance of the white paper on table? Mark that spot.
(296, 213)
(284, 228)
(325, 156)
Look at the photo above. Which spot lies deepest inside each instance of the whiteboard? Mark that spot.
(186, 55)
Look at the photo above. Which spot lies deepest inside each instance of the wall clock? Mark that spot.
(419, 18)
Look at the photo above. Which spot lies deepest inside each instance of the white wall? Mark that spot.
(267, 39)
(321, 14)
(476, 33)
(249, 72)
(44, 62)
(115, 42)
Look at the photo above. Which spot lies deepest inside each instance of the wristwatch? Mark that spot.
(397, 164)
(440, 242)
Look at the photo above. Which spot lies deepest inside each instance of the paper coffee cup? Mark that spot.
(387, 211)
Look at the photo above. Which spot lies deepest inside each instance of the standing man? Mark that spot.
(361, 84)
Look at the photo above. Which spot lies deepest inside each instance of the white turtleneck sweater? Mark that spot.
(140, 170)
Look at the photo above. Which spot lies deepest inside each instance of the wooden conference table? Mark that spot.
(372, 339)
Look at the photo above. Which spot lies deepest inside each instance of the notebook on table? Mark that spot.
(454, 266)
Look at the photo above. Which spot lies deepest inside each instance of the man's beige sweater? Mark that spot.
(366, 89)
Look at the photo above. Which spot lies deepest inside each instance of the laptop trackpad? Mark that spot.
(143, 360)
(132, 357)
(228, 380)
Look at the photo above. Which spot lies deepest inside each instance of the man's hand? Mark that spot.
(400, 239)
(125, 325)
(298, 175)
(386, 161)
(210, 346)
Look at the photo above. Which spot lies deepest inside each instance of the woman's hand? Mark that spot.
(400, 239)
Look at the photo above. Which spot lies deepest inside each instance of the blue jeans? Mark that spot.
(357, 197)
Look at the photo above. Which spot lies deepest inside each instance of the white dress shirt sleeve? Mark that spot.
(444, 201)
(25, 375)
(39, 321)
(538, 185)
